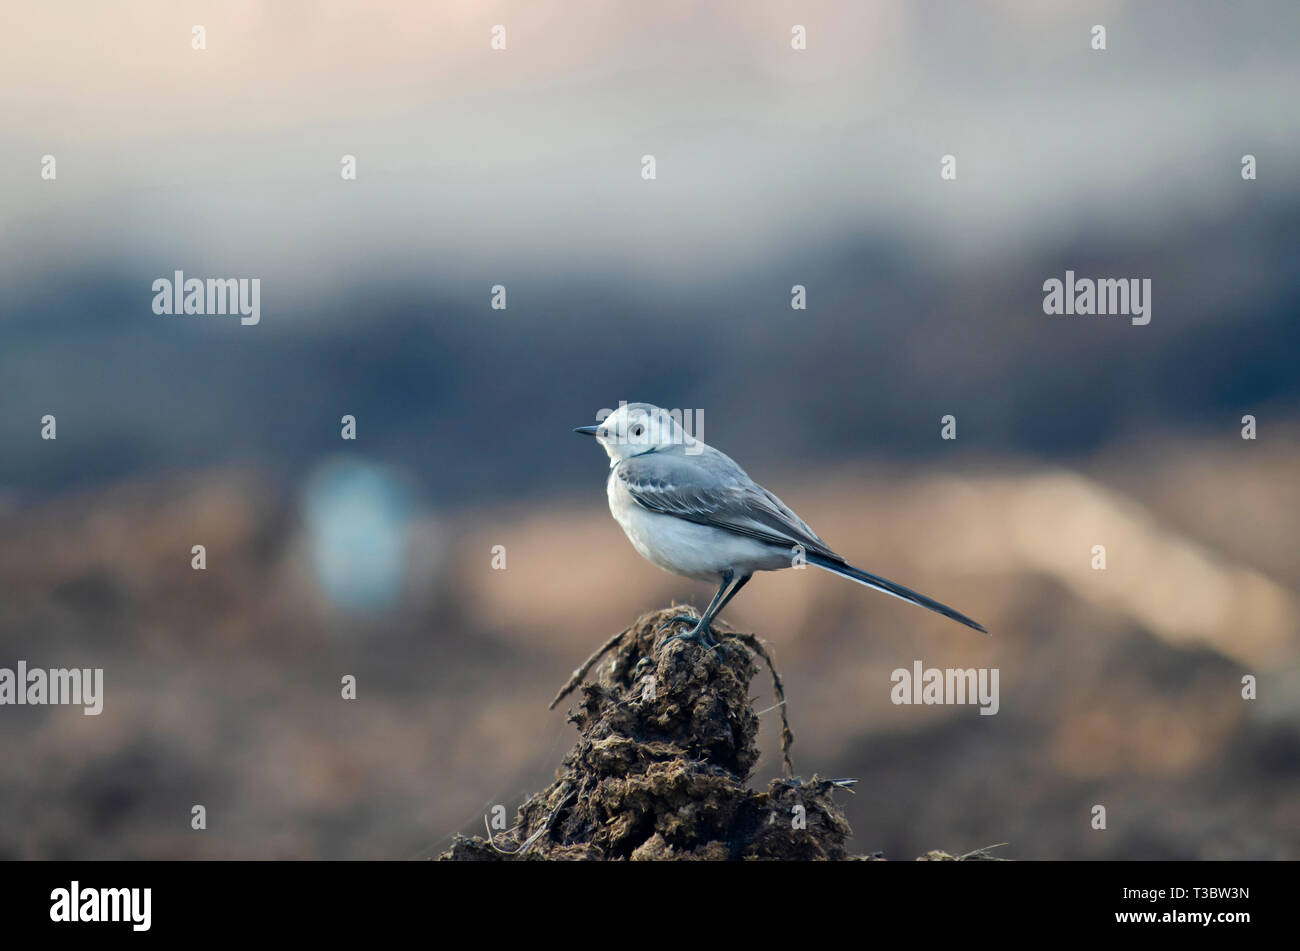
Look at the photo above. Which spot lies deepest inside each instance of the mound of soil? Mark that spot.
(661, 766)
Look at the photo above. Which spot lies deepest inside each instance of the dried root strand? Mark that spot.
(778, 690)
(581, 672)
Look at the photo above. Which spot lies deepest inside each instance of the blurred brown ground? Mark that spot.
(1119, 687)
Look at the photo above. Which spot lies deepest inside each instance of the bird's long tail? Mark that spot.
(846, 570)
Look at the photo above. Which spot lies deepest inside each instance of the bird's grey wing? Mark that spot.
(710, 489)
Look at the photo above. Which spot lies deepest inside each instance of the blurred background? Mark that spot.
(522, 168)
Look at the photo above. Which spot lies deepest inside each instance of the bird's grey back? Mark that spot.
(706, 486)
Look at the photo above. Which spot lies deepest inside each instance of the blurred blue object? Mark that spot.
(358, 520)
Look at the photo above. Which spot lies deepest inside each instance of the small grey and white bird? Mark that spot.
(689, 509)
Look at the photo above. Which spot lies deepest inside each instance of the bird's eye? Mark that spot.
(638, 430)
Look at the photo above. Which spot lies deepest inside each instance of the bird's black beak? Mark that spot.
(587, 430)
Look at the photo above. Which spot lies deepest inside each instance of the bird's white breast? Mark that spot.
(685, 548)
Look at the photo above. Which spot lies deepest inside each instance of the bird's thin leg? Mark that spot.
(715, 609)
(700, 632)
(740, 583)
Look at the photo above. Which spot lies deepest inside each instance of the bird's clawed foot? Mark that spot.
(700, 633)
(680, 619)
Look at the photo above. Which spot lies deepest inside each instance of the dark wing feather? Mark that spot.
(710, 489)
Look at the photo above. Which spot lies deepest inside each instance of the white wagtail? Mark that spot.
(689, 509)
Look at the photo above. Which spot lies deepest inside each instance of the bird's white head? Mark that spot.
(637, 428)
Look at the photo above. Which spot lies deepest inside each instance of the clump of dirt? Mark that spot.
(660, 770)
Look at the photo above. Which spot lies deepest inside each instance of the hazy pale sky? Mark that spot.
(232, 153)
